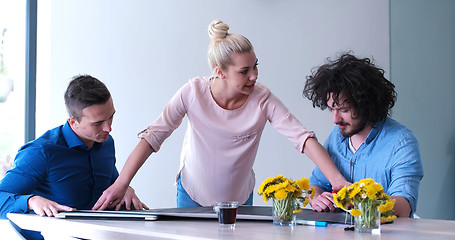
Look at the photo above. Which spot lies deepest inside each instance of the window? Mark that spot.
(12, 80)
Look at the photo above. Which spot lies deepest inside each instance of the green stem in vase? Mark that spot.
(283, 210)
(369, 212)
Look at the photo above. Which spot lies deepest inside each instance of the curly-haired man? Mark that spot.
(366, 142)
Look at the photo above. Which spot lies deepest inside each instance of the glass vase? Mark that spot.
(370, 219)
(283, 212)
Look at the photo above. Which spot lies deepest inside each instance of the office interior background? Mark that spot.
(146, 50)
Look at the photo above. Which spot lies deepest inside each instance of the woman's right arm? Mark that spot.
(114, 194)
(151, 140)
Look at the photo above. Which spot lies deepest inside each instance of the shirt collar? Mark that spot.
(373, 133)
(71, 138)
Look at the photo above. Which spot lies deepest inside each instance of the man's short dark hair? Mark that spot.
(84, 91)
(359, 80)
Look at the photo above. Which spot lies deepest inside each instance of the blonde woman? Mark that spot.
(226, 116)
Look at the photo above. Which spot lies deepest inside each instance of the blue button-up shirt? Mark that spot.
(60, 167)
(390, 155)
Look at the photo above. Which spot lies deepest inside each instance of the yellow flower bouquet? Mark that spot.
(288, 196)
(365, 198)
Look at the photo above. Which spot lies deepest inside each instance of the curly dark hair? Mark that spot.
(359, 80)
(84, 91)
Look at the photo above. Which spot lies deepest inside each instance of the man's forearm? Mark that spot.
(401, 207)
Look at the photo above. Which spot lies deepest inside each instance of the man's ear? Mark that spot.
(72, 122)
(219, 72)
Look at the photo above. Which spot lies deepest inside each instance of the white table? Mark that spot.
(8, 231)
(52, 228)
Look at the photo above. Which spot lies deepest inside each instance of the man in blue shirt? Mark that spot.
(70, 166)
(366, 142)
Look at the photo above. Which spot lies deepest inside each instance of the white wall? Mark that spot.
(145, 50)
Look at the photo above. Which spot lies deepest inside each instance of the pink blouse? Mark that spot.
(220, 146)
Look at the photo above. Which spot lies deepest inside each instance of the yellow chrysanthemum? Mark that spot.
(261, 188)
(306, 202)
(354, 192)
(271, 189)
(388, 218)
(342, 193)
(282, 185)
(281, 194)
(377, 187)
(282, 188)
(354, 185)
(303, 183)
(371, 192)
(366, 181)
(387, 206)
(356, 212)
(297, 211)
(336, 201)
(279, 177)
(297, 193)
(290, 188)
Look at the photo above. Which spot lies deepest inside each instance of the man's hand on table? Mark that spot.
(45, 207)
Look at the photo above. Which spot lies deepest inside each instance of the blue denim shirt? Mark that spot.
(390, 155)
(60, 167)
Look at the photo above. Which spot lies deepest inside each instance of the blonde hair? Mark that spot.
(222, 44)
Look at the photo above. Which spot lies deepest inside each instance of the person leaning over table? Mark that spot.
(227, 114)
(366, 142)
(68, 167)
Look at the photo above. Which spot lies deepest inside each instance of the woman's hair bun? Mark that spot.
(218, 29)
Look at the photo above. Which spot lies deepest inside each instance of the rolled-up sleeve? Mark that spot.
(168, 121)
(407, 171)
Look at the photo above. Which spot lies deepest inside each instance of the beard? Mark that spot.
(355, 128)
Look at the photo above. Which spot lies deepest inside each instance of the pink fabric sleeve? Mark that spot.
(168, 121)
(285, 123)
